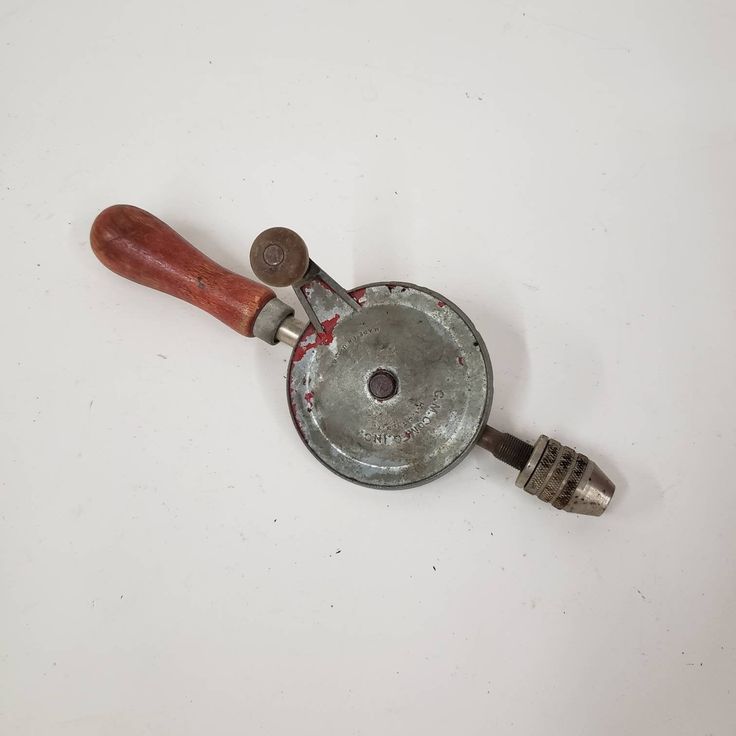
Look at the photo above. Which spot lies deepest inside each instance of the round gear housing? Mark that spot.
(392, 393)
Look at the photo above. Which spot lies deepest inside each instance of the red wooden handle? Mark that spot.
(135, 244)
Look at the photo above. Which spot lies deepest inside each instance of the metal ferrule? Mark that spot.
(290, 330)
(270, 319)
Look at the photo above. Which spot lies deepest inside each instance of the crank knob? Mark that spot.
(279, 257)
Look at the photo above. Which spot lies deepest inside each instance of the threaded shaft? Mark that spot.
(505, 447)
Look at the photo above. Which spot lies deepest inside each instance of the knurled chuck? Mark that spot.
(552, 472)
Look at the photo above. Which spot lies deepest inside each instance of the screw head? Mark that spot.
(382, 384)
(273, 254)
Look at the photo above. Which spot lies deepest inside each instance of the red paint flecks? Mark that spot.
(460, 360)
(320, 338)
(328, 326)
(309, 397)
(325, 285)
(301, 350)
(441, 304)
(358, 295)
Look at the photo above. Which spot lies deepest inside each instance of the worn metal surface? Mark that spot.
(322, 297)
(427, 422)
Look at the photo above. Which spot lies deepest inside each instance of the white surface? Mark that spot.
(169, 561)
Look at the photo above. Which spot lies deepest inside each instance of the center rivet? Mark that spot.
(273, 254)
(382, 384)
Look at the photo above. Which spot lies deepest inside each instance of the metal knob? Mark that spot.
(552, 472)
(279, 257)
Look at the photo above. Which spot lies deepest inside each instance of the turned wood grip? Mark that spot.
(135, 244)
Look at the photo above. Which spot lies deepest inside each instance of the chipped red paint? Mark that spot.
(300, 351)
(324, 285)
(320, 338)
(358, 295)
(441, 304)
(461, 360)
(309, 397)
(329, 325)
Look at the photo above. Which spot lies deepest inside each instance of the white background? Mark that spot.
(565, 171)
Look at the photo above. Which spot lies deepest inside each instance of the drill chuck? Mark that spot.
(552, 472)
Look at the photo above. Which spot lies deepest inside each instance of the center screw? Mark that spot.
(273, 254)
(382, 384)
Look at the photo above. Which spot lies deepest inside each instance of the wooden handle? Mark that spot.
(135, 244)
